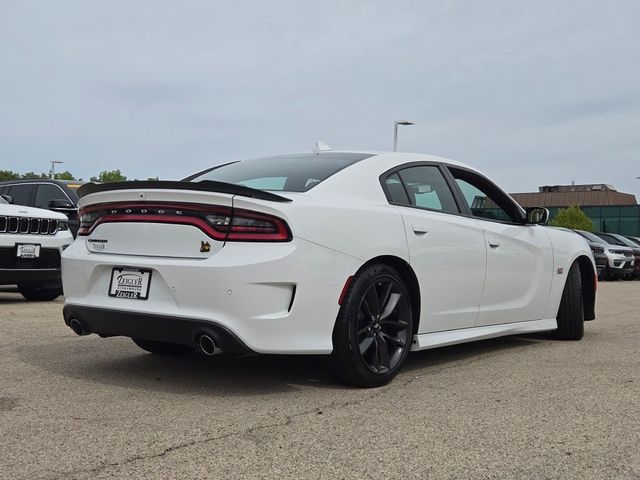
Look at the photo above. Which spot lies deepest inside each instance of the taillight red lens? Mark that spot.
(220, 223)
(252, 226)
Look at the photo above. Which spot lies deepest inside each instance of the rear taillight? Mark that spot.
(220, 223)
(250, 226)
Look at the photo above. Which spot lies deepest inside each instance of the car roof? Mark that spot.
(42, 180)
(405, 156)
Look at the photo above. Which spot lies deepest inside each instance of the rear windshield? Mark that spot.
(285, 173)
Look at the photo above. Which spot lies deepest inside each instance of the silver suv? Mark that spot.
(620, 260)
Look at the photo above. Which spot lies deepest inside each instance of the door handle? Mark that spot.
(420, 229)
(493, 243)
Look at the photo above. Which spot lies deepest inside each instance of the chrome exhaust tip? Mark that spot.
(207, 345)
(77, 327)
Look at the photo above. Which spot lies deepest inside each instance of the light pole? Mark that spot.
(52, 171)
(395, 131)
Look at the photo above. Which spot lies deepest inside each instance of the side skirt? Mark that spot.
(451, 337)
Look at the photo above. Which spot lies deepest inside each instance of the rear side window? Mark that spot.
(423, 187)
(395, 190)
(287, 173)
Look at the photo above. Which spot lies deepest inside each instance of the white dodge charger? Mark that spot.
(359, 256)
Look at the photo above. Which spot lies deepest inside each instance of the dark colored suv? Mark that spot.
(57, 195)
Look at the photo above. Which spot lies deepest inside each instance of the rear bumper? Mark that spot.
(43, 270)
(160, 328)
(14, 276)
(275, 298)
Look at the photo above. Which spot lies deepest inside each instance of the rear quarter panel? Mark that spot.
(348, 213)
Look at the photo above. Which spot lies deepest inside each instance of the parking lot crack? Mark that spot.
(286, 421)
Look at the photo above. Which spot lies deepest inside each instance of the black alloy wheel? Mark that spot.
(383, 325)
(373, 331)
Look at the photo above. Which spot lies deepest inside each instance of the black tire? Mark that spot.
(36, 293)
(163, 348)
(373, 332)
(571, 312)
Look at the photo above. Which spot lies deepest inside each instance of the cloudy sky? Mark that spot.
(532, 93)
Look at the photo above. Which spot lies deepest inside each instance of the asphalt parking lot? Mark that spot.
(518, 407)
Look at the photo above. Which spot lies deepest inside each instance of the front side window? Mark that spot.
(47, 193)
(485, 200)
(285, 173)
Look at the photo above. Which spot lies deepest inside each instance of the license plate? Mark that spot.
(130, 283)
(27, 250)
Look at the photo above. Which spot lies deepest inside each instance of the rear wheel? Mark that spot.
(35, 292)
(571, 312)
(162, 348)
(373, 332)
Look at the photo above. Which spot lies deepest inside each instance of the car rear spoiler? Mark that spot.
(203, 186)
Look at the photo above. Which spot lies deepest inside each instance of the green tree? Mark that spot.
(34, 175)
(572, 217)
(109, 176)
(66, 175)
(8, 175)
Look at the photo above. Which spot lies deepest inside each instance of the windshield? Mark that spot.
(612, 240)
(2, 200)
(285, 173)
(591, 237)
(625, 241)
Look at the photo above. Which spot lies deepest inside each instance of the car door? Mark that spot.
(519, 256)
(447, 250)
(50, 192)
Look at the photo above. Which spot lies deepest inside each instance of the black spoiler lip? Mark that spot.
(202, 186)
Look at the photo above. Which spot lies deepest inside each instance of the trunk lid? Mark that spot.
(164, 219)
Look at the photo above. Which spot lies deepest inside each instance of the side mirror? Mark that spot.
(537, 215)
(8, 198)
(63, 205)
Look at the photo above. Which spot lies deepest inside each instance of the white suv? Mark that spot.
(31, 242)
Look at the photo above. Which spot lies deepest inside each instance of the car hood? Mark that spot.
(10, 210)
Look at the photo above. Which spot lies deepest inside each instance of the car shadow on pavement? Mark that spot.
(8, 297)
(115, 362)
(449, 356)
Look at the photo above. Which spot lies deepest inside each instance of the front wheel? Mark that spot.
(373, 332)
(36, 293)
(571, 312)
